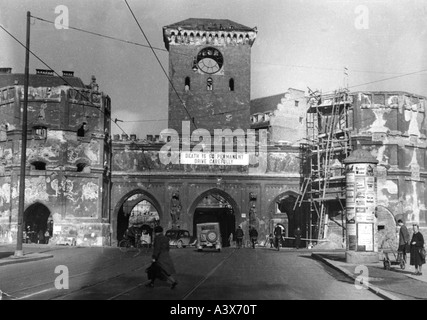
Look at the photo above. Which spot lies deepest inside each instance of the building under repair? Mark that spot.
(87, 187)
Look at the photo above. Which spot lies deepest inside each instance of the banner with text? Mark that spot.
(215, 158)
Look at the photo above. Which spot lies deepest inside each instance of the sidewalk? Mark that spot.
(31, 253)
(393, 284)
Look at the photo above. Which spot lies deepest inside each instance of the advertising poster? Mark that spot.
(360, 184)
(365, 237)
(351, 236)
(360, 169)
(351, 214)
(370, 184)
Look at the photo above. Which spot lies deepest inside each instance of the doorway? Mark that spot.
(37, 221)
(213, 207)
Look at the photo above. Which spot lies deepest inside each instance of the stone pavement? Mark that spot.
(393, 284)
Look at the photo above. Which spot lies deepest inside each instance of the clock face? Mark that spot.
(210, 60)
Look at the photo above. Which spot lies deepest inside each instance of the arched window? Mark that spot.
(82, 129)
(187, 84)
(209, 84)
(231, 84)
(80, 167)
(38, 165)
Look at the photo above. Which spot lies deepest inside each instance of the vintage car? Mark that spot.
(208, 236)
(179, 238)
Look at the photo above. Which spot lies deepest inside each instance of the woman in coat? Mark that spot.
(417, 243)
(161, 259)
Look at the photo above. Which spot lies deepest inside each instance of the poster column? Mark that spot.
(361, 202)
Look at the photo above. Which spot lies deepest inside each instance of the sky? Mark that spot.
(299, 44)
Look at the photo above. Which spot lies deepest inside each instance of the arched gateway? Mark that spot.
(215, 205)
(139, 208)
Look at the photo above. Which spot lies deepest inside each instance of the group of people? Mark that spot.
(413, 246)
(40, 237)
(275, 239)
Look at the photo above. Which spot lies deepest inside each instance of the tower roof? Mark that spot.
(199, 31)
(204, 24)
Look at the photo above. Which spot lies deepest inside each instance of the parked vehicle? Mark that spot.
(208, 236)
(180, 238)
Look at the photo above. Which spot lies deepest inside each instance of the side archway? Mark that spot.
(37, 220)
(127, 203)
(283, 213)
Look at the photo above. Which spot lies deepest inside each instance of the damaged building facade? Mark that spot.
(91, 188)
(67, 180)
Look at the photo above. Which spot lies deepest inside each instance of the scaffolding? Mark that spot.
(328, 144)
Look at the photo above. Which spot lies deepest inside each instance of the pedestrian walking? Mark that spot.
(46, 237)
(277, 236)
(40, 236)
(239, 236)
(230, 239)
(403, 240)
(253, 234)
(297, 235)
(417, 244)
(162, 265)
(271, 240)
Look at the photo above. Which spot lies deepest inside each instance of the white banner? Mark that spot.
(215, 158)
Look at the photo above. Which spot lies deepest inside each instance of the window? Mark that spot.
(296, 103)
(40, 132)
(81, 131)
(187, 84)
(80, 167)
(209, 84)
(38, 165)
(231, 84)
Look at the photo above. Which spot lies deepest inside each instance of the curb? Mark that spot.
(381, 293)
(30, 257)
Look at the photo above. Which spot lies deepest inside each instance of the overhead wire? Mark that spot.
(183, 103)
(71, 86)
(161, 65)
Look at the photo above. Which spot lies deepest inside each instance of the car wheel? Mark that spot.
(179, 244)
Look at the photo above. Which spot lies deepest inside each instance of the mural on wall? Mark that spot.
(77, 150)
(283, 163)
(42, 92)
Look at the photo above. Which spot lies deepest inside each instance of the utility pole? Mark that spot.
(19, 252)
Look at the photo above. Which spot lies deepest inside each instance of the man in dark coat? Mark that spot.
(162, 263)
(239, 236)
(277, 236)
(417, 243)
(403, 239)
(253, 234)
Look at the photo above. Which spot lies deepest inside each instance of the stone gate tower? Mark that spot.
(209, 68)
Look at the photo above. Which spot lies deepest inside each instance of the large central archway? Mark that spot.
(215, 205)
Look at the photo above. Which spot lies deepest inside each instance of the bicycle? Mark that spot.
(126, 244)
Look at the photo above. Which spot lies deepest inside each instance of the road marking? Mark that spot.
(35, 293)
(206, 277)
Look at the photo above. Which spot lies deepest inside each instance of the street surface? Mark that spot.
(232, 274)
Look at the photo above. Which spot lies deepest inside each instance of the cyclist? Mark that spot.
(132, 233)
